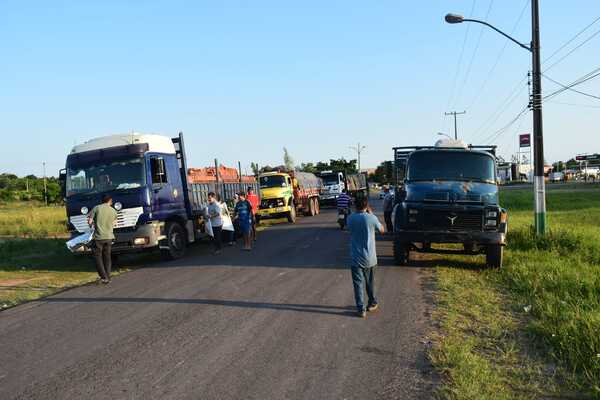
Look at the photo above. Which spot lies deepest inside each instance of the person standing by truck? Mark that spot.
(102, 218)
(388, 207)
(362, 225)
(243, 212)
(216, 221)
(254, 202)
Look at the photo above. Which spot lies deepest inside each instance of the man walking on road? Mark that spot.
(388, 208)
(216, 221)
(102, 219)
(362, 225)
(243, 212)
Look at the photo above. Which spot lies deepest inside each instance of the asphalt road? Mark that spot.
(276, 323)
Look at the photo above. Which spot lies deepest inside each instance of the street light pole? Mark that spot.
(358, 148)
(538, 135)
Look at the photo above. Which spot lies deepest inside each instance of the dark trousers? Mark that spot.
(387, 216)
(366, 275)
(102, 249)
(217, 240)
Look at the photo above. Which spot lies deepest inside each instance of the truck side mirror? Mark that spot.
(62, 181)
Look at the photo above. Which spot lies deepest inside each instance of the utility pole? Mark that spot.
(358, 148)
(538, 132)
(455, 127)
(45, 187)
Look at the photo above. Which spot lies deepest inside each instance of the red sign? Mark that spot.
(525, 140)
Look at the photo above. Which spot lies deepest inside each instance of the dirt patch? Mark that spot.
(14, 282)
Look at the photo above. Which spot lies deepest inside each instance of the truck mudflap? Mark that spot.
(482, 238)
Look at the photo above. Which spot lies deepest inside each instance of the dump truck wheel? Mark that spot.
(176, 241)
(291, 217)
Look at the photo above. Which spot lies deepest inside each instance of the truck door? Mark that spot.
(162, 190)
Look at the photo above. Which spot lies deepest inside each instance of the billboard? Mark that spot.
(525, 140)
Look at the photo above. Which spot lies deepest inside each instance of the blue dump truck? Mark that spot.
(146, 175)
(445, 194)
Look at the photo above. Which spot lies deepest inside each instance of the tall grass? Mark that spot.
(32, 220)
(556, 278)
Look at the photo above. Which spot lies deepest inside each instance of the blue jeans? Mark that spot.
(366, 275)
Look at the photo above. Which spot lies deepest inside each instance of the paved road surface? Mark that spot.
(276, 323)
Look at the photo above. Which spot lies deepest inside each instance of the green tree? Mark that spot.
(255, 168)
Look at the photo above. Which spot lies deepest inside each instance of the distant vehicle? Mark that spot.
(284, 194)
(334, 182)
(556, 177)
(448, 194)
(146, 175)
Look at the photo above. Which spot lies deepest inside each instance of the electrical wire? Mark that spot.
(493, 69)
(572, 50)
(590, 75)
(494, 136)
(466, 78)
(571, 104)
(570, 40)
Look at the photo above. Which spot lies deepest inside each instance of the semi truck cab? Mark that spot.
(333, 186)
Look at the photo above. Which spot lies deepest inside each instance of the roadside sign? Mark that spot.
(588, 157)
(525, 140)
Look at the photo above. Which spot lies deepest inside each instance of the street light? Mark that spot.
(359, 149)
(536, 105)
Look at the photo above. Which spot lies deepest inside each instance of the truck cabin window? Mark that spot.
(330, 179)
(117, 175)
(158, 171)
(272, 181)
(451, 166)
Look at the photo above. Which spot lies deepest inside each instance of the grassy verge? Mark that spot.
(531, 329)
(30, 219)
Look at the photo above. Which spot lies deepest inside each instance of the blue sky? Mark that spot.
(243, 79)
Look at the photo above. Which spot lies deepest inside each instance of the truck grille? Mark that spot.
(270, 203)
(126, 218)
(452, 220)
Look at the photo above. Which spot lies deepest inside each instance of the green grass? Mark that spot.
(532, 328)
(30, 219)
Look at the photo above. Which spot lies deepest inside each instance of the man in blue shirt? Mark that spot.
(362, 225)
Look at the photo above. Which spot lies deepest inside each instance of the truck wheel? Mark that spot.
(317, 207)
(176, 241)
(312, 208)
(291, 216)
(308, 210)
(493, 256)
(401, 253)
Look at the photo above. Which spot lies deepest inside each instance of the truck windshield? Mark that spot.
(270, 181)
(330, 179)
(451, 166)
(118, 175)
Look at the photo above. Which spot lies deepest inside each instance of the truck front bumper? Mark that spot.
(273, 212)
(474, 237)
(131, 241)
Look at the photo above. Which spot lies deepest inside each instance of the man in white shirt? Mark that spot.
(216, 221)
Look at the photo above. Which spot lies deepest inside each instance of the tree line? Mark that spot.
(29, 188)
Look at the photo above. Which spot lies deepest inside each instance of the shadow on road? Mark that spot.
(308, 308)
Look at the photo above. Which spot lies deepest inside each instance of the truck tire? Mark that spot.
(291, 215)
(176, 241)
(494, 255)
(401, 253)
(311, 207)
(317, 207)
(308, 210)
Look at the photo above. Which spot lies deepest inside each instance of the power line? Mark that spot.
(460, 57)
(494, 136)
(573, 49)
(493, 69)
(572, 104)
(466, 78)
(585, 78)
(571, 40)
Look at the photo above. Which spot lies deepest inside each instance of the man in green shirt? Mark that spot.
(102, 218)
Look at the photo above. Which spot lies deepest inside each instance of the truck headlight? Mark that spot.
(118, 206)
(490, 222)
(84, 210)
(491, 214)
(413, 211)
(280, 202)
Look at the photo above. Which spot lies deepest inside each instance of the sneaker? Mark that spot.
(373, 307)
(362, 314)
(105, 281)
